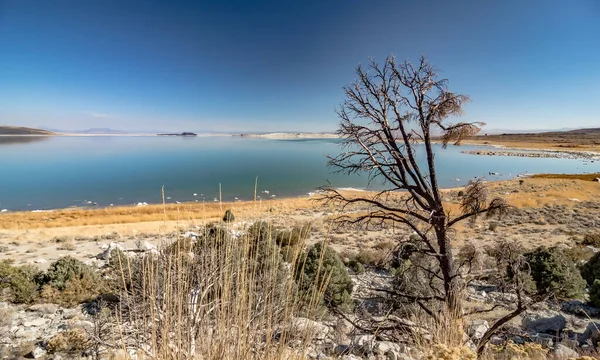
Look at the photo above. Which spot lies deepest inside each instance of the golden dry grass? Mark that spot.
(133, 214)
(584, 177)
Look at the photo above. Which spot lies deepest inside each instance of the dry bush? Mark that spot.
(218, 297)
(72, 340)
(512, 351)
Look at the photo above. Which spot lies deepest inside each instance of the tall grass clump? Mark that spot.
(216, 297)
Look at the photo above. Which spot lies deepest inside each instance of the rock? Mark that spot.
(563, 352)
(544, 321)
(389, 349)
(36, 353)
(350, 357)
(40, 261)
(363, 345)
(47, 309)
(579, 308)
(477, 329)
(545, 340)
(190, 234)
(105, 255)
(304, 326)
(71, 313)
(146, 246)
(341, 350)
(35, 322)
(591, 333)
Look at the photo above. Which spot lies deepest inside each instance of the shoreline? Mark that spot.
(585, 150)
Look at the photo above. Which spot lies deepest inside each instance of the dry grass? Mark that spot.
(134, 214)
(216, 298)
(584, 177)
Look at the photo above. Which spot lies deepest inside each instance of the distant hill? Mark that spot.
(585, 131)
(16, 130)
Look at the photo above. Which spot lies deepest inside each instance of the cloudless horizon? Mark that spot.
(211, 66)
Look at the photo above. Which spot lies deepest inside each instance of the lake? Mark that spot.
(60, 172)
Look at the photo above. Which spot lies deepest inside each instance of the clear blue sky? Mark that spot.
(280, 65)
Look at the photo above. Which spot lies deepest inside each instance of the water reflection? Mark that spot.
(13, 140)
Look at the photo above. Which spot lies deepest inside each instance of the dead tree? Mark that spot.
(392, 112)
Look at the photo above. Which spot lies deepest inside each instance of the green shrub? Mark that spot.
(552, 270)
(65, 269)
(356, 267)
(294, 236)
(595, 293)
(315, 269)
(19, 282)
(228, 217)
(591, 240)
(590, 271)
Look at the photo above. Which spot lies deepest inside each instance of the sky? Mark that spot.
(261, 66)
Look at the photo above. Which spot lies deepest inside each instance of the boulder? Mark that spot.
(591, 333)
(544, 321)
(563, 352)
(477, 329)
(47, 309)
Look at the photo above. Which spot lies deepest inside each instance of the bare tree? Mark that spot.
(392, 111)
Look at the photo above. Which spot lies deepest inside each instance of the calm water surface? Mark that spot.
(59, 172)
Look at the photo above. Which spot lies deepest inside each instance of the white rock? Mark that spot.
(477, 329)
(38, 353)
(36, 322)
(563, 352)
(146, 246)
(40, 261)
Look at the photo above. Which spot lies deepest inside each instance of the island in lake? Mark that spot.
(182, 134)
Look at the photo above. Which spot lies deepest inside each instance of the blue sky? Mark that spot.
(281, 65)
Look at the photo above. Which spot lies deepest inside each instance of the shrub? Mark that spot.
(294, 236)
(19, 282)
(356, 267)
(595, 293)
(579, 254)
(591, 240)
(65, 269)
(512, 351)
(72, 340)
(552, 270)
(228, 217)
(316, 269)
(590, 271)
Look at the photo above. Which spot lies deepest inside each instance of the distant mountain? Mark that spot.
(16, 130)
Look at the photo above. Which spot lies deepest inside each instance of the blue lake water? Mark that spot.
(59, 172)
